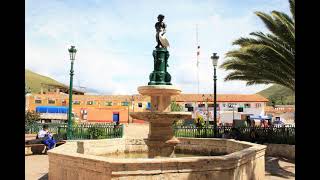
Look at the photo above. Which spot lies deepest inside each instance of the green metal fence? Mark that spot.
(273, 134)
(36, 127)
(80, 131)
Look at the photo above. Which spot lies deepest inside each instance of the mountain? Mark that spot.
(34, 80)
(279, 95)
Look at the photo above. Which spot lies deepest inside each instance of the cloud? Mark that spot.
(115, 40)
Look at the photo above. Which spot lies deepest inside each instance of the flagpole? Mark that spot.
(198, 53)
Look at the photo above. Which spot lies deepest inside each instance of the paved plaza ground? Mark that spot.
(276, 168)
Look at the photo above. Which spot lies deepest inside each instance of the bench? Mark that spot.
(39, 148)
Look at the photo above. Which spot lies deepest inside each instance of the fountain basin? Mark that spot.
(159, 90)
(83, 160)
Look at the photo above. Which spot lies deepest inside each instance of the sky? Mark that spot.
(115, 40)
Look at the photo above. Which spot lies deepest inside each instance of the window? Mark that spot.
(108, 103)
(38, 101)
(76, 102)
(188, 105)
(258, 105)
(51, 101)
(89, 102)
(148, 105)
(139, 105)
(190, 109)
(201, 105)
(246, 105)
(212, 105)
(124, 103)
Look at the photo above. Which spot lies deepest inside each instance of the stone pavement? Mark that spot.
(279, 168)
(36, 167)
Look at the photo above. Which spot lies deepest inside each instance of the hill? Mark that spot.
(279, 95)
(34, 80)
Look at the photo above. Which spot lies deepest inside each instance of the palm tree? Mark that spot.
(268, 58)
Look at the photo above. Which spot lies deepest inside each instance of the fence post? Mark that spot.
(122, 130)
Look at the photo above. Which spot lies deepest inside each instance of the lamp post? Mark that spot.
(72, 52)
(214, 59)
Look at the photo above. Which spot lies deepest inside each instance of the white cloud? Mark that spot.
(115, 50)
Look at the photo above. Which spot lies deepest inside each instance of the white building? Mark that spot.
(229, 106)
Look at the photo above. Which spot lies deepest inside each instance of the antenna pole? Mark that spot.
(198, 53)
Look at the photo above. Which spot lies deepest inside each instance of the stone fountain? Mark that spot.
(161, 141)
(224, 158)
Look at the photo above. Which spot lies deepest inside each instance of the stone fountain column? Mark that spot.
(161, 141)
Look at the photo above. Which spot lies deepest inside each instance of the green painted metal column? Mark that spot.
(214, 59)
(215, 129)
(159, 75)
(72, 52)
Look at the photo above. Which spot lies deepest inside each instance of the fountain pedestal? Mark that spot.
(161, 141)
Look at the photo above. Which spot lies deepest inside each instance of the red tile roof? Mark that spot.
(221, 97)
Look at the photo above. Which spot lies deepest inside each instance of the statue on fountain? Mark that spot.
(161, 30)
(160, 76)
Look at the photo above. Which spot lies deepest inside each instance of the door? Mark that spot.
(116, 117)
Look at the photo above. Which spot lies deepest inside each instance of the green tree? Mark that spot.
(31, 117)
(199, 121)
(268, 58)
(175, 107)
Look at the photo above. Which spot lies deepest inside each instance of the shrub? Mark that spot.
(95, 132)
(31, 117)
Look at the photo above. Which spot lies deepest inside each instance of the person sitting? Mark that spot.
(46, 137)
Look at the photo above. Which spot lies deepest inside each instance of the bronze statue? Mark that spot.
(159, 75)
(161, 30)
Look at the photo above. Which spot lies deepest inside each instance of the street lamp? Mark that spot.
(72, 52)
(214, 59)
